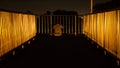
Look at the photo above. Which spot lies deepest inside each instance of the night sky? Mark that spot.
(41, 6)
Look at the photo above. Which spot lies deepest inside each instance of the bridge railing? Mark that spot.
(15, 29)
(104, 28)
(71, 24)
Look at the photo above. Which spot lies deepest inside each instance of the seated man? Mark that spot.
(57, 29)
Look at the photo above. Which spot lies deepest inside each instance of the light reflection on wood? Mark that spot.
(15, 29)
(103, 28)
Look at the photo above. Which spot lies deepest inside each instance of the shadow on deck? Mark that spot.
(58, 52)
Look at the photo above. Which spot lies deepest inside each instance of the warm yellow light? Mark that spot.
(15, 29)
(13, 53)
(23, 47)
(28, 42)
(33, 39)
(104, 28)
(118, 62)
(57, 29)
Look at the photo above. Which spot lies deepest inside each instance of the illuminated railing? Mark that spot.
(71, 24)
(104, 28)
(15, 29)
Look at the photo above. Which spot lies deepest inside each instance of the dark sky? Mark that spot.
(41, 6)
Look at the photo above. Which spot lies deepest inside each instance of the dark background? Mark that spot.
(41, 6)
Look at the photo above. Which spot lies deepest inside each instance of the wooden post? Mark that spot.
(91, 6)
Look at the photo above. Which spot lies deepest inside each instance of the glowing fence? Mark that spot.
(15, 29)
(104, 28)
(71, 24)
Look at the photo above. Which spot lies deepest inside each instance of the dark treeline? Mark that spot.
(108, 6)
(61, 12)
(16, 11)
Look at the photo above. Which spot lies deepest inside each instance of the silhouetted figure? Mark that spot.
(57, 29)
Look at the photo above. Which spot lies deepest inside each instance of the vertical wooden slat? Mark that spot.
(69, 24)
(75, 25)
(39, 24)
(118, 34)
(42, 27)
(63, 24)
(66, 25)
(47, 25)
(72, 24)
(51, 25)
